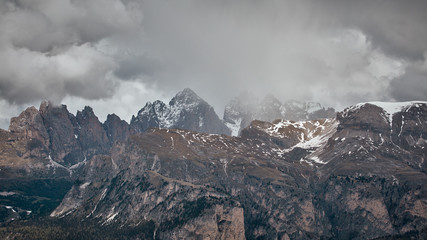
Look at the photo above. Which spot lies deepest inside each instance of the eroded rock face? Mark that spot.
(409, 128)
(116, 128)
(360, 176)
(90, 134)
(196, 185)
(130, 189)
(54, 133)
(62, 129)
(371, 170)
(41, 156)
(29, 126)
(366, 117)
(281, 180)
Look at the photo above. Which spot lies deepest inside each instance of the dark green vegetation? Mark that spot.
(48, 229)
(40, 196)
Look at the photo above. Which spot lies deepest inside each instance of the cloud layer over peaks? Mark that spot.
(337, 52)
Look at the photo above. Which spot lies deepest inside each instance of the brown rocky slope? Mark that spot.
(360, 176)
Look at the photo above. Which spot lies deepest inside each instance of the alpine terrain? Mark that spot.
(175, 172)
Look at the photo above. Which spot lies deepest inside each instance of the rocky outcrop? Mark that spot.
(185, 111)
(409, 129)
(54, 133)
(29, 126)
(116, 128)
(62, 129)
(91, 134)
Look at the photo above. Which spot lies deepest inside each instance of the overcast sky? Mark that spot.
(115, 55)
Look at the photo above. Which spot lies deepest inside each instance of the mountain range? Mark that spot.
(295, 171)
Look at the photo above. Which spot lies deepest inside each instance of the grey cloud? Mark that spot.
(26, 75)
(46, 24)
(338, 52)
(293, 49)
(50, 49)
(395, 26)
(134, 66)
(412, 85)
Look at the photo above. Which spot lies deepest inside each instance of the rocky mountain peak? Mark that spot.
(186, 97)
(47, 105)
(53, 133)
(29, 126)
(26, 119)
(116, 128)
(87, 112)
(90, 133)
(44, 105)
(364, 115)
(186, 111)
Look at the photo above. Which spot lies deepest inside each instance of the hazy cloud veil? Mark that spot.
(116, 54)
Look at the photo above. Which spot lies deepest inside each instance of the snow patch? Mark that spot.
(5, 194)
(234, 127)
(11, 208)
(84, 185)
(224, 163)
(316, 159)
(55, 165)
(109, 219)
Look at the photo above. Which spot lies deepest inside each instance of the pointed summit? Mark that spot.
(186, 96)
(186, 111)
(87, 112)
(116, 128)
(90, 133)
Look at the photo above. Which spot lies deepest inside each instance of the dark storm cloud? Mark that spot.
(412, 85)
(338, 52)
(293, 49)
(395, 26)
(51, 49)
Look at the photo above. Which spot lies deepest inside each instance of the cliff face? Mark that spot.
(29, 126)
(116, 129)
(41, 155)
(352, 177)
(374, 170)
(361, 175)
(91, 134)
